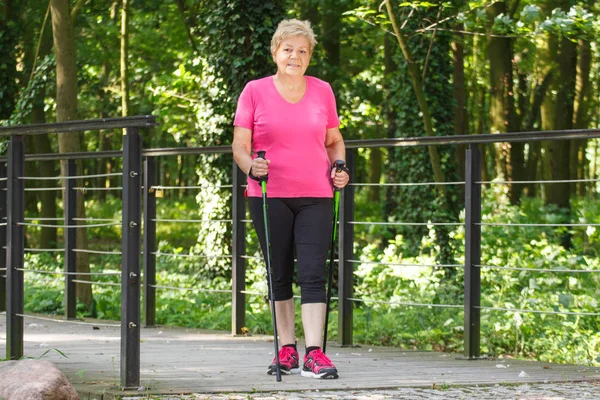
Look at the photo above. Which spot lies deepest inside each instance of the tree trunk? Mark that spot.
(421, 100)
(558, 113)
(9, 10)
(331, 27)
(309, 10)
(375, 171)
(104, 165)
(41, 144)
(66, 110)
(509, 156)
(124, 57)
(535, 148)
(583, 95)
(461, 123)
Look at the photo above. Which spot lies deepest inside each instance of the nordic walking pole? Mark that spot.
(263, 184)
(339, 167)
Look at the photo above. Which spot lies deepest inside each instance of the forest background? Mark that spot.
(474, 67)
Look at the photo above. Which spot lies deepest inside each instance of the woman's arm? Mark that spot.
(336, 150)
(242, 148)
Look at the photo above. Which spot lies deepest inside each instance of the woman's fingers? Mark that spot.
(260, 167)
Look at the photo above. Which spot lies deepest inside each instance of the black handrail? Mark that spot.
(140, 121)
(350, 144)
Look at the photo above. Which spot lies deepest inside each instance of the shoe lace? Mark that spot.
(286, 353)
(321, 358)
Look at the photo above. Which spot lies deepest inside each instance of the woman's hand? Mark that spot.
(259, 167)
(340, 179)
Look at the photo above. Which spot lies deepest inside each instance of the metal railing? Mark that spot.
(13, 234)
(140, 184)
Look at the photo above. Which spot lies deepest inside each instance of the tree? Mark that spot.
(424, 66)
(557, 110)
(124, 58)
(66, 110)
(8, 70)
(509, 156)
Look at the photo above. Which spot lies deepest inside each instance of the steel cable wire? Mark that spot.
(530, 182)
(406, 223)
(91, 189)
(37, 250)
(538, 311)
(191, 289)
(406, 265)
(42, 189)
(97, 251)
(157, 253)
(537, 269)
(193, 220)
(189, 187)
(408, 184)
(67, 321)
(404, 303)
(54, 178)
(67, 226)
(69, 273)
(96, 283)
(536, 225)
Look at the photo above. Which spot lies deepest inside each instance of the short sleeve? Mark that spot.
(244, 114)
(333, 119)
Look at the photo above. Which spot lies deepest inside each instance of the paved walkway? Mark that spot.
(193, 364)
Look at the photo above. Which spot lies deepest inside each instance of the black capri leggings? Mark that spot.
(300, 224)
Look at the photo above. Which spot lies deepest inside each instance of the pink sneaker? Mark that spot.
(288, 362)
(317, 365)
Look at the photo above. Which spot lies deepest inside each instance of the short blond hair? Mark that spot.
(290, 28)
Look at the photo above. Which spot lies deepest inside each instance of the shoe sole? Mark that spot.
(323, 375)
(283, 371)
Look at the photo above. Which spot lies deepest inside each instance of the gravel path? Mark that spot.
(559, 391)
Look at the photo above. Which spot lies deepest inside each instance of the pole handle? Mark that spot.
(339, 166)
(262, 154)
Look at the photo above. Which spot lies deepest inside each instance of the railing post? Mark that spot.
(472, 251)
(238, 250)
(70, 234)
(149, 242)
(130, 249)
(2, 237)
(345, 253)
(15, 236)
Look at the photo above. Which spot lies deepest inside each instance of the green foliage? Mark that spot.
(44, 76)
(8, 49)
(547, 337)
(187, 296)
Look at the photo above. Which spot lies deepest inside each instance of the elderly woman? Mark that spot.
(293, 118)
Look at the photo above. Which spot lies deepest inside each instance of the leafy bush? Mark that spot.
(392, 315)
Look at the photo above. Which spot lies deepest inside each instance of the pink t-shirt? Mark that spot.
(293, 136)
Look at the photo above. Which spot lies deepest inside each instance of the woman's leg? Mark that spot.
(312, 234)
(285, 313)
(313, 321)
(281, 221)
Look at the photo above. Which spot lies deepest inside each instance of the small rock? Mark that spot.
(34, 379)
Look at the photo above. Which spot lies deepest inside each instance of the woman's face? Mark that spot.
(292, 56)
